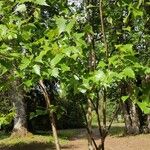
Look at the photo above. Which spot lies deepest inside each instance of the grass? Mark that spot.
(69, 133)
(31, 142)
(38, 141)
(45, 141)
(117, 129)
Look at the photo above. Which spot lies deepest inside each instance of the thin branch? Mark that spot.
(114, 115)
(98, 118)
(88, 130)
(103, 30)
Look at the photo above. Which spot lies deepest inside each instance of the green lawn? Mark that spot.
(31, 142)
(45, 141)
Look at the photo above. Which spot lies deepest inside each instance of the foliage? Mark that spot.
(6, 119)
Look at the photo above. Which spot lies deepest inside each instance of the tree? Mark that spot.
(92, 49)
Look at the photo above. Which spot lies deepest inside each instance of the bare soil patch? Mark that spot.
(138, 142)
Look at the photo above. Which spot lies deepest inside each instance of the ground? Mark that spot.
(76, 140)
(140, 142)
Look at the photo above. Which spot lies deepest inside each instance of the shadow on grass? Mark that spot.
(31, 142)
(64, 134)
(28, 146)
(117, 131)
(3, 135)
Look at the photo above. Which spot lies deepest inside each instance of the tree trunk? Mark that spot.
(148, 123)
(135, 119)
(89, 121)
(20, 120)
(131, 117)
(127, 119)
(53, 125)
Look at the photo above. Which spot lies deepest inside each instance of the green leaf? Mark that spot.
(102, 64)
(88, 29)
(91, 6)
(137, 12)
(140, 3)
(76, 77)
(124, 98)
(128, 28)
(41, 2)
(41, 55)
(21, 8)
(64, 68)
(61, 24)
(110, 20)
(52, 108)
(98, 75)
(125, 20)
(3, 30)
(127, 48)
(38, 112)
(56, 60)
(145, 107)
(128, 72)
(70, 25)
(55, 72)
(36, 69)
(115, 60)
(24, 63)
(86, 84)
(28, 83)
(82, 90)
(147, 71)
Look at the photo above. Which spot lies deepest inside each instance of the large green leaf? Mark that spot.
(36, 69)
(24, 63)
(55, 72)
(61, 24)
(70, 25)
(39, 2)
(56, 60)
(127, 48)
(145, 107)
(128, 72)
(21, 8)
(64, 68)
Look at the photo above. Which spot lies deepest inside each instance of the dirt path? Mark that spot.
(140, 142)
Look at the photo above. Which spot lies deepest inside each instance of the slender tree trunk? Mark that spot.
(89, 121)
(53, 124)
(104, 109)
(20, 120)
(103, 115)
(91, 66)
